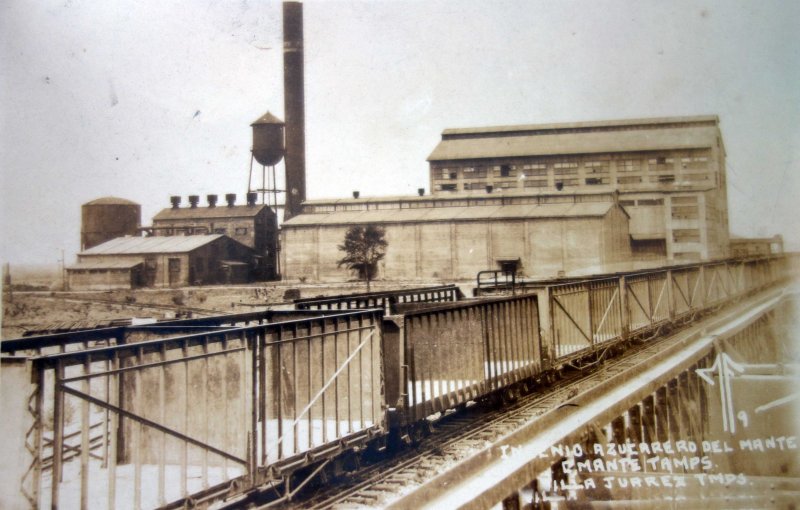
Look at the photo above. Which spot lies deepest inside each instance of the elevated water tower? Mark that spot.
(268, 150)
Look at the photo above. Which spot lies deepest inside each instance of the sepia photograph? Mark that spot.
(366, 254)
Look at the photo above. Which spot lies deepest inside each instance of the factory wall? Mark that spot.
(458, 250)
(104, 279)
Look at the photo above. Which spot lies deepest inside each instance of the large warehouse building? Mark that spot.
(453, 238)
(670, 173)
(572, 198)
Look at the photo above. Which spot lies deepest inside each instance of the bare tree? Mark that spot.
(364, 247)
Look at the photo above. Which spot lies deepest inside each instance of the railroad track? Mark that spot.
(457, 436)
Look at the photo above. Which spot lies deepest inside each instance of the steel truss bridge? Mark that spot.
(216, 411)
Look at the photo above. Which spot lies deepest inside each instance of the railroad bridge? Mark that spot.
(650, 388)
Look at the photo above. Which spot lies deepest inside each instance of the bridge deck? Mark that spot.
(490, 476)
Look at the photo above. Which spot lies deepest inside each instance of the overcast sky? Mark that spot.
(147, 99)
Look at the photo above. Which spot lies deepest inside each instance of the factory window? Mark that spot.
(593, 181)
(536, 183)
(651, 201)
(222, 231)
(660, 164)
(686, 236)
(684, 200)
(505, 185)
(447, 173)
(695, 163)
(629, 179)
(505, 171)
(686, 212)
(535, 169)
(448, 187)
(241, 231)
(629, 165)
(475, 172)
(596, 167)
(565, 168)
(627, 203)
(701, 177)
(666, 179)
(474, 185)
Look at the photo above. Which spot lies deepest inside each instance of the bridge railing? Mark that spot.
(118, 335)
(156, 422)
(584, 315)
(388, 301)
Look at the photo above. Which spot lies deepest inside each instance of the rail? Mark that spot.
(493, 281)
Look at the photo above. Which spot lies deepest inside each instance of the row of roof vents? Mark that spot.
(420, 192)
(230, 198)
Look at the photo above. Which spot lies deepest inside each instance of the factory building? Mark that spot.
(756, 246)
(253, 225)
(175, 261)
(455, 237)
(670, 174)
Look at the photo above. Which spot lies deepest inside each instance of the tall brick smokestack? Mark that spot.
(294, 108)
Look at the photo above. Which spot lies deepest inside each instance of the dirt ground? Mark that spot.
(36, 311)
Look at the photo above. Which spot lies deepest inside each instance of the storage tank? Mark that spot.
(107, 218)
(268, 144)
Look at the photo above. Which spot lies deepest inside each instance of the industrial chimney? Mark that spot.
(294, 109)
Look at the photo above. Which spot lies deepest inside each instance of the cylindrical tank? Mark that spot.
(107, 218)
(268, 145)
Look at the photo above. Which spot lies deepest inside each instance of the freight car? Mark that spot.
(217, 408)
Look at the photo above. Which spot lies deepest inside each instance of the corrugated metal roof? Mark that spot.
(594, 142)
(105, 264)
(159, 244)
(440, 214)
(620, 123)
(220, 211)
(462, 195)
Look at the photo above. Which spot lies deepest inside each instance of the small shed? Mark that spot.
(164, 261)
(105, 274)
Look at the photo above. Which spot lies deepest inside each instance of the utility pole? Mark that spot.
(7, 282)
